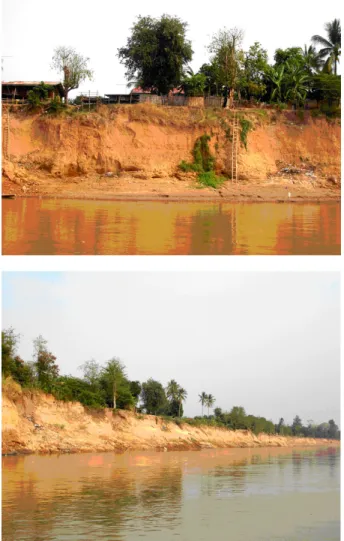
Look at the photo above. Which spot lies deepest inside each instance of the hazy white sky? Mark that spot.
(33, 28)
(267, 341)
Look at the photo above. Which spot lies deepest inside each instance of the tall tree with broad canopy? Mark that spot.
(331, 45)
(153, 397)
(73, 66)
(156, 53)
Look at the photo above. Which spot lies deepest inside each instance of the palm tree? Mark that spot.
(181, 397)
(210, 402)
(172, 390)
(311, 59)
(203, 399)
(331, 46)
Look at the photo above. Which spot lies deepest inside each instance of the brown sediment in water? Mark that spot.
(33, 422)
(134, 153)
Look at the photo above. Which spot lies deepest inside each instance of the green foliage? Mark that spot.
(251, 80)
(38, 95)
(203, 164)
(202, 155)
(331, 45)
(210, 179)
(176, 396)
(194, 85)
(212, 78)
(69, 388)
(324, 87)
(203, 160)
(246, 126)
(156, 53)
(55, 106)
(45, 365)
(153, 397)
(115, 385)
(9, 344)
(227, 56)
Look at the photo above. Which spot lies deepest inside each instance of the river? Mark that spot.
(229, 494)
(64, 226)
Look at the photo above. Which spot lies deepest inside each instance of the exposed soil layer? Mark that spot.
(134, 152)
(38, 423)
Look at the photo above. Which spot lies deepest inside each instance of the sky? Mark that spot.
(269, 342)
(31, 30)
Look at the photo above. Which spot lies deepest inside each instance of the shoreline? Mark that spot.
(320, 443)
(244, 194)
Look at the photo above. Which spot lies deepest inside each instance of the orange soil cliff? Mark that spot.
(35, 422)
(121, 146)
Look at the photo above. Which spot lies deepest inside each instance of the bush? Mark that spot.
(55, 106)
(210, 179)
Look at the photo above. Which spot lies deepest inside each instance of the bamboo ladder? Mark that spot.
(6, 141)
(235, 147)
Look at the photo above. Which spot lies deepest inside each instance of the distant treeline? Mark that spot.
(109, 386)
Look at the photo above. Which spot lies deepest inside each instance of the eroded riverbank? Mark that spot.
(38, 423)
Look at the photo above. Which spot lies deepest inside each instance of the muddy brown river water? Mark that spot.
(240, 494)
(65, 226)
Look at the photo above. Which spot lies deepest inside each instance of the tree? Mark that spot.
(331, 46)
(312, 61)
(181, 397)
(172, 390)
(237, 417)
(212, 78)
(333, 430)
(292, 55)
(92, 373)
(210, 401)
(113, 376)
(73, 66)
(135, 389)
(280, 426)
(9, 344)
(153, 397)
(203, 399)
(296, 82)
(44, 364)
(276, 76)
(324, 87)
(225, 47)
(193, 85)
(254, 67)
(297, 426)
(23, 372)
(156, 53)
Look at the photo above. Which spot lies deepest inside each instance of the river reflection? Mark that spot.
(57, 226)
(187, 495)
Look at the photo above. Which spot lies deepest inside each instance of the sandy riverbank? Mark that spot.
(38, 423)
